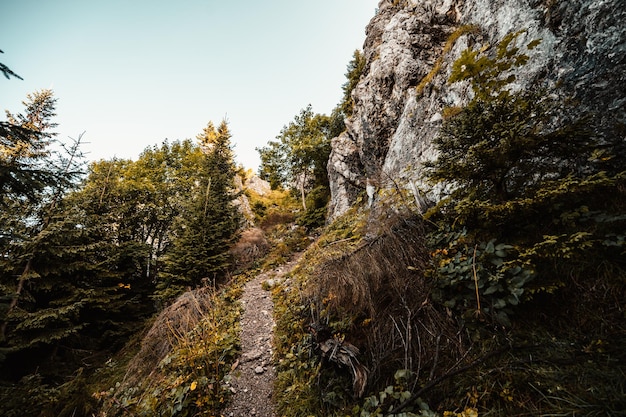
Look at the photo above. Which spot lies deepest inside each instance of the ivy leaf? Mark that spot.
(498, 261)
(512, 300)
(499, 303)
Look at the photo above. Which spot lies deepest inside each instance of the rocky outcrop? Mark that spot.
(582, 56)
(253, 183)
(258, 185)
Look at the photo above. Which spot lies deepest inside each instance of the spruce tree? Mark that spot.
(41, 245)
(7, 72)
(208, 222)
(27, 164)
(355, 70)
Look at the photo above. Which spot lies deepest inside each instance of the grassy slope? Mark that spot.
(562, 354)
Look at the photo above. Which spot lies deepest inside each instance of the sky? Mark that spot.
(132, 73)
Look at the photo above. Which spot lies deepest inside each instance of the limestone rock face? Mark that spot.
(258, 185)
(254, 183)
(582, 56)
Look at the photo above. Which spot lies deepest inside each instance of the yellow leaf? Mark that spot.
(470, 412)
(193, 386)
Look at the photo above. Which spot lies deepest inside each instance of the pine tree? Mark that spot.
(7, 72)
(27, 166)
(33, 183)
(356, 67)
(42, 246)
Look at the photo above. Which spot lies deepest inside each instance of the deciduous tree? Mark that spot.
(299, 156)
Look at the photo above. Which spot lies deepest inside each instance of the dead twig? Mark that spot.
(476, 282)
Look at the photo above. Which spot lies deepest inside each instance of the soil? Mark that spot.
(252, 377)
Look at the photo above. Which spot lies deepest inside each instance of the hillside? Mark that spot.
(476, 251)
(449, 242)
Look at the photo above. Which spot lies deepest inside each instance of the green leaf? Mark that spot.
(492, 289)
(518, 281)
(512, 300)
(499, 303)
(401, 374)
(497, 261)
(503, 318)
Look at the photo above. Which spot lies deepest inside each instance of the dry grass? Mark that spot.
(382, 287)
(276, 218)
(251, 247)
(183, 358)
(274, 208)
(561, 356)
(171, 325)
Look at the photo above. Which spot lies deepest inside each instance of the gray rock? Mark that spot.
(258, 185)
(582, 56)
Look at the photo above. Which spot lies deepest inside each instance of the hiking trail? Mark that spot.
(252, 377)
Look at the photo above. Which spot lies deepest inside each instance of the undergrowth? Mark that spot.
(507, 299)
(181, 364)
(304, 387)
(180, 367)
(561, 353)
(272, 208)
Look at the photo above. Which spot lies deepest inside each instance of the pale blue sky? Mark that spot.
(132, 73)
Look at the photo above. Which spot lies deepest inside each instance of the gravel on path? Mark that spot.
(252, 377)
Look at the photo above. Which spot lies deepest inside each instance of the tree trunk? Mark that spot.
(303, 196)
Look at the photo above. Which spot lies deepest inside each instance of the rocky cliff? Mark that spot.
(400, 98)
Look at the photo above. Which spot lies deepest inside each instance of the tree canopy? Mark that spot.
(86, 260)
(355, 70)
(298, 158)
(208, 222)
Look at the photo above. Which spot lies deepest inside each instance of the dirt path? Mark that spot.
(252, 378)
